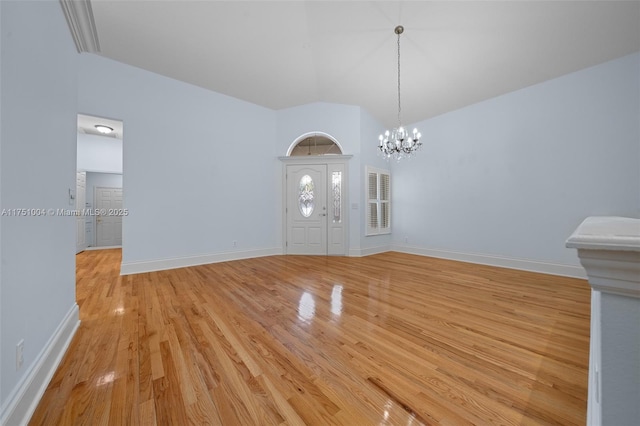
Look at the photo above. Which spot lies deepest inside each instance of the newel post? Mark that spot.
(609, 251)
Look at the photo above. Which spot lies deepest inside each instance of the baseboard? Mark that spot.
(26, 395)
(368, 251)
(502, 262)
(129, 268)
(102, 247)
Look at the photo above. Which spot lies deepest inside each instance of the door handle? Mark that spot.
(322, 214)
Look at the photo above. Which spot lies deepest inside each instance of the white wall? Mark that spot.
(506, 178)
(340, 121)
(3, 398)
(513, 176)
(99, 154)
(199, 167)
(370, 129)
(39, 83)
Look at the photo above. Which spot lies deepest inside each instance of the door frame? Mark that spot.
(328, 160)
(81, 224)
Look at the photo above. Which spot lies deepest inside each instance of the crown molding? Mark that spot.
(79, 16)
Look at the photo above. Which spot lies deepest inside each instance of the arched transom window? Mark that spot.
(315, 145)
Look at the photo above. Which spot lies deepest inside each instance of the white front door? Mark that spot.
(81, 185)
(108, 226)
(306, 209)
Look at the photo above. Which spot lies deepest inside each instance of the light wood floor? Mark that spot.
(387, 339)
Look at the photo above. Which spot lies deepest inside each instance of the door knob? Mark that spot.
(322, 214)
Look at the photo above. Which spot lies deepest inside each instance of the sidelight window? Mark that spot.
(336, 187)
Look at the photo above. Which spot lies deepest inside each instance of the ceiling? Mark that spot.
(282, 54)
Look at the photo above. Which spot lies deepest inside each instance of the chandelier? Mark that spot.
(398, 143)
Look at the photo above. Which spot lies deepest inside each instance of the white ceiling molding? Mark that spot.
(79, 16)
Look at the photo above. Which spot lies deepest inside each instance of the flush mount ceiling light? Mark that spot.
(398, 143)
(103, 129)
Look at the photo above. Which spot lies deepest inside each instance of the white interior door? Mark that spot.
(108, 226)
(306, 209)
(81, 188)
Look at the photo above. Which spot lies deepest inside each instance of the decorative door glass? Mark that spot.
(306, 201)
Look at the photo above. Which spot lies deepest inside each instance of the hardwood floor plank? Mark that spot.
(169, 402)
(390, 339)
(147, 412)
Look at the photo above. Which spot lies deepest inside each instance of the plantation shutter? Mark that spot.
(378, 201)
(384, 187)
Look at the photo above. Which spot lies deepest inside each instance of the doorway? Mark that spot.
(99, 164)
(315, 196)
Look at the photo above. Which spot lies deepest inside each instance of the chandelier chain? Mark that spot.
(399, 104)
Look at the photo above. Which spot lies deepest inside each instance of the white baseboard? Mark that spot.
(26, 395)
(183, 262)
(102, 247)
(502, 262)
(368, 251)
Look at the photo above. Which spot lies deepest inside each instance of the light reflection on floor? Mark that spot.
(106, 379)
(306, 307)
(336, 300)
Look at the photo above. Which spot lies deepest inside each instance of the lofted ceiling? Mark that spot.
(282, 54)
